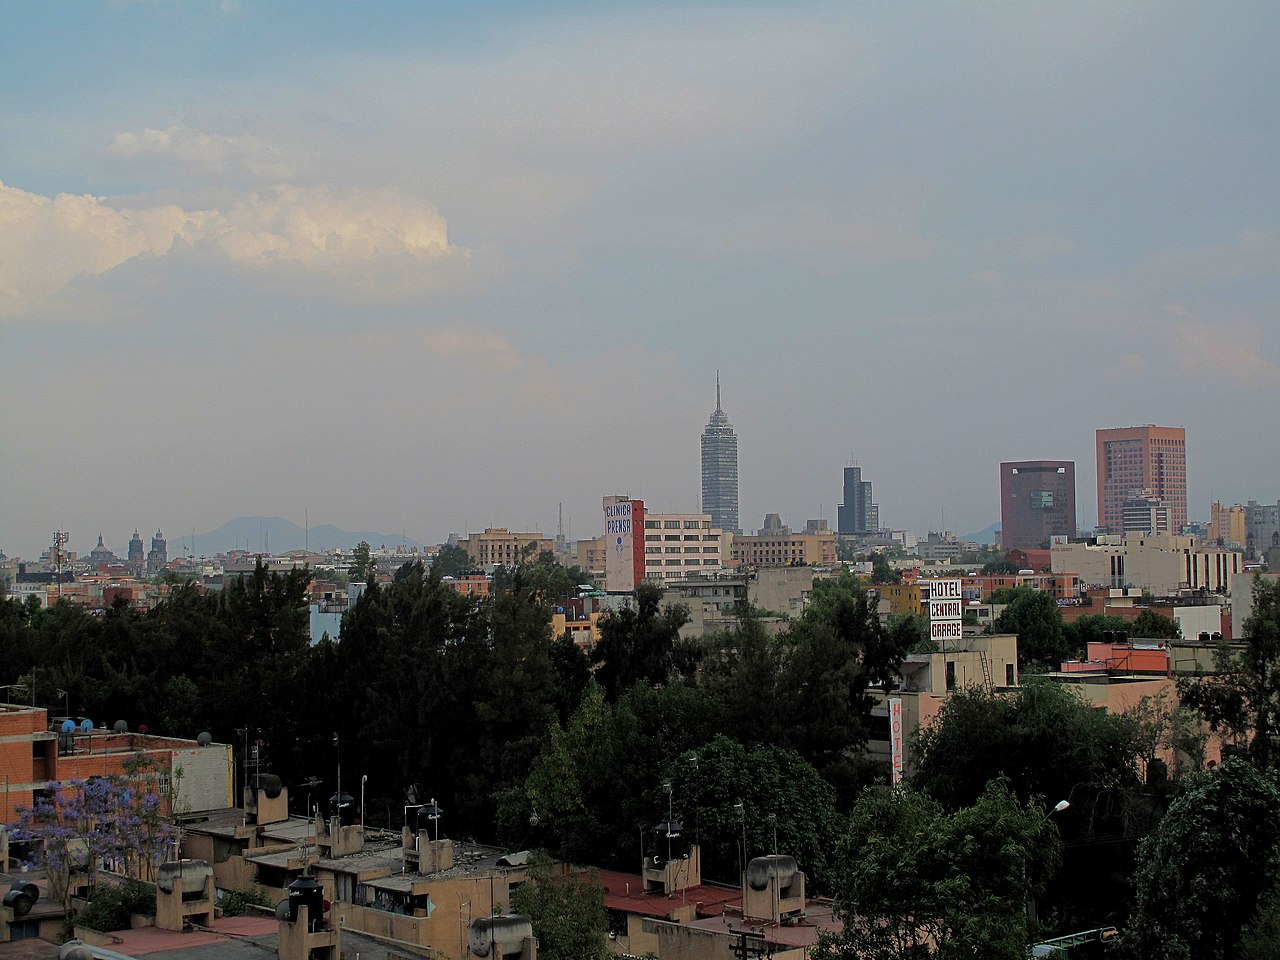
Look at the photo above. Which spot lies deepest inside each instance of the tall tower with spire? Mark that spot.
(720, 469)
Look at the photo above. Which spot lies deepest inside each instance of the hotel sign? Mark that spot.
(946, 610)
(895, 737)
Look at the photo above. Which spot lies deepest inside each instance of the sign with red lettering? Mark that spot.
(895, 738)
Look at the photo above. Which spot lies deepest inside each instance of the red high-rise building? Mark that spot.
(1141, 462)
(1037, 501)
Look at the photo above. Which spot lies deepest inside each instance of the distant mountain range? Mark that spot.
(989, 535)
(277, 535)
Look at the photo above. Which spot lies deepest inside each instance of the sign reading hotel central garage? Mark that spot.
(895, 737)
(946, 610)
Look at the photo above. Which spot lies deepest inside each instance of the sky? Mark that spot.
(430, 267)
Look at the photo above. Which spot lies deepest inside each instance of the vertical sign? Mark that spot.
(895, 737)
(623, 544)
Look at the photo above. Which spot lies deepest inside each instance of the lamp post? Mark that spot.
(364, 778)
(337, 746)
(741, 811)
(1031, 903)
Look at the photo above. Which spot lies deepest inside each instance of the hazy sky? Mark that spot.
(430, 267)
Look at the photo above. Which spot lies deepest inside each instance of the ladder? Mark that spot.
(987, 685)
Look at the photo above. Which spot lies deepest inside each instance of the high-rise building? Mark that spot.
(1147, 461)
(1262, 527)
(858, 514)
(1037, 501)
(720, 470)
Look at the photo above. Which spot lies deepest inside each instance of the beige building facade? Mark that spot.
(1165, 565)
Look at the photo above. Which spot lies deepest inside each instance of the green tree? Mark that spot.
(637, 643)
(451, 560)
(1092, 628)
(910, 632)
(566, 908)
(1150, 625)
(1034, 616)
(1001, 566)
(920, 882)
(882, 571)
(1242, 698)
(362, 565)
(1203, 875)
(1045, 738)
(787, 807)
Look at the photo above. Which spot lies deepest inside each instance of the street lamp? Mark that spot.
(364, 778)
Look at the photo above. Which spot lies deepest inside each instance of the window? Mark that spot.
(691, 524)
(651, 524)
(670, 524)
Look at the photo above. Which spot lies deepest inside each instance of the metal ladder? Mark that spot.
(987, 685)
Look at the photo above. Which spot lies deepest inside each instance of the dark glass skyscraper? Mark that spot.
(858, 514)
(720, 470)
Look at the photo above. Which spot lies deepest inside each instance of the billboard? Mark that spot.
(623, 543)
(946, 611)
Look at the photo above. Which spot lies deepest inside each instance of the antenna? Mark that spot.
(717, 390)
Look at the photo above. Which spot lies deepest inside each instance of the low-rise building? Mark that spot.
(775, 545)
(1165, 565)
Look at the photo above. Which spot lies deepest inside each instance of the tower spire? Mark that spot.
(717, 391)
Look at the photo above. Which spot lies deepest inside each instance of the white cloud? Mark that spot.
(46, 242)
(209, 152)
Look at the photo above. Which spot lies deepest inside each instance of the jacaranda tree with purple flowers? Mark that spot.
(117, 822)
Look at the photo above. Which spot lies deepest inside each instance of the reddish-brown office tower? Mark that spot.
(1145, 461)
(1037, 501)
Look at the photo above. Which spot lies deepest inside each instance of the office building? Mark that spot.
(857, 514)
(1146, 461)
(1037, 501)
(720, 470)
(1262, 527)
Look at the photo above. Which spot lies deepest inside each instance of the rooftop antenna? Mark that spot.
(560, 523)
(59, 541)
(717, 391)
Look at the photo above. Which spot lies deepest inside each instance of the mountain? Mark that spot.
(277, 535)
(988, 535)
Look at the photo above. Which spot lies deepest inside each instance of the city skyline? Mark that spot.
(431, 269)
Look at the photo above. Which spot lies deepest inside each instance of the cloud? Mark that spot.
(471, 346)
(206, 152)
(46, 242)
(1232, 352)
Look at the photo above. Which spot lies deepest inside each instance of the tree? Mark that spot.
(362, 566)
(1243, 697)
(1203, 876)
(566, 908)
(637, 642)
(882, 571)
(1150, 625)
(451, 560)
(1092, 628)
(919, 881)
(787, 807)
(1034, 616)
(117, 819)
(1045, 738)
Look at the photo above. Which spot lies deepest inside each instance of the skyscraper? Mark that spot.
(858, 514)
(1037, 501)
(720, 470)
(1147, 462)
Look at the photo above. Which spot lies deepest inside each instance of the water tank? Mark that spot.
(306, 891)
(269, 784)
(21, 898)
(501, 936)
(760, 869)
(74, 950)
(184, 876)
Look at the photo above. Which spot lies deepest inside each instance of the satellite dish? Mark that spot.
(68, 726)
(86, 726)
(120, 727)
(204, 739)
